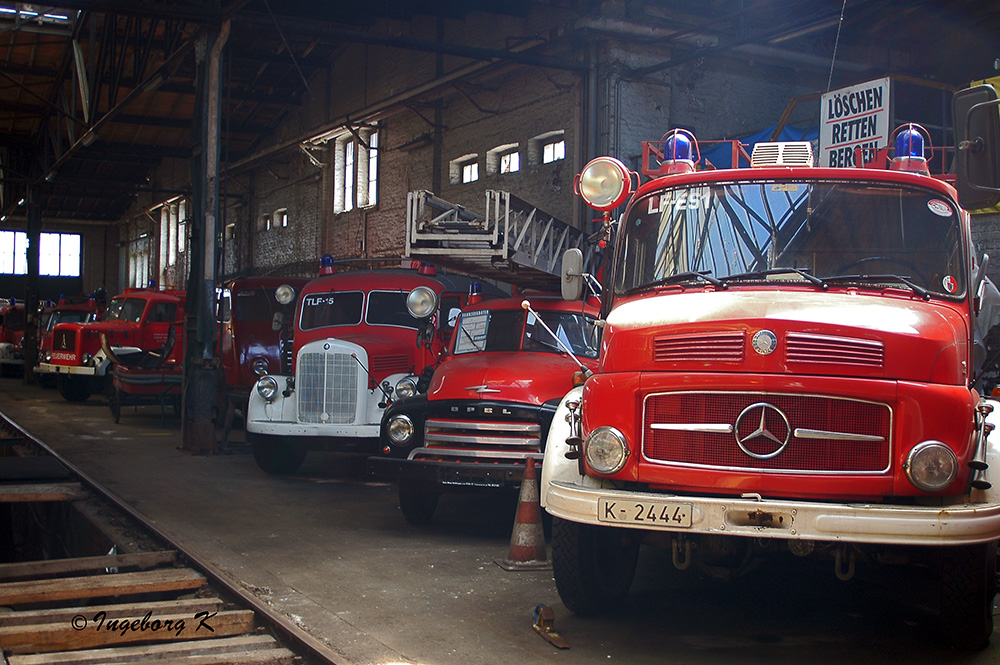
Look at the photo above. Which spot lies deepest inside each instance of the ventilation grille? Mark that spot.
(836, 350)
(701, 347)
(798, 153)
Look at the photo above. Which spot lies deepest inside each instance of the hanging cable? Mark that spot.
(833, 60)
(289, 49)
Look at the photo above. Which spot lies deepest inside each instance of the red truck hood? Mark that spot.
(891, 336)
(524, 377)
(117, 332)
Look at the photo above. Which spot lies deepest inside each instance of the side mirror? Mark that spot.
(453, 316)
(571, 277)
(976, 112)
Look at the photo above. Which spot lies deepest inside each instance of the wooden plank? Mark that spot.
(37, 569)
(190, 606)
(67, 636)
(99, 586)
(263, 657)
(42, 492)
(150, 652)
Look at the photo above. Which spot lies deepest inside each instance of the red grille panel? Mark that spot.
(702, 347)
(842, 350)
(390, 364)
(719, 449)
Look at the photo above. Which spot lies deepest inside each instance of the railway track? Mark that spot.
(85, 580)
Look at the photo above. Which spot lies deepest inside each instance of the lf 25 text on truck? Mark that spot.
(789, 364)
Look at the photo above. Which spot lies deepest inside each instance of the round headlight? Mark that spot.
(606, 450)
(267, 387)
(604, 183)
(47, 356)
(399, 429)
(88, 360)
(931, 466)
(422, 302)
(406, 387)
(259, 366)
(284, 294)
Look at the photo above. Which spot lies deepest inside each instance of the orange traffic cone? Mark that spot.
(527, 541)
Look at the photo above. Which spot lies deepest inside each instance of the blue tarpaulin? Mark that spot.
(720, 154)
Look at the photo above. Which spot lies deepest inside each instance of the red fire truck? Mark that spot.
(361, 340)
(489, 403)
(12, 323)
(69, 309)
(788, 365)
(256, 328)
(137, 321)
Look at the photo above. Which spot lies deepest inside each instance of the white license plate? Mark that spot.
(653, 513)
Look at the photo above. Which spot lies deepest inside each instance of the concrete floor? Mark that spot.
(332, 552)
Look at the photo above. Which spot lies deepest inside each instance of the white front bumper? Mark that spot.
(49, 368)
(845, 522)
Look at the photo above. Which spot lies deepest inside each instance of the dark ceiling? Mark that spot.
(86, 147)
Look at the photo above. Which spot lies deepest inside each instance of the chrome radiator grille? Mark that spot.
(327, 387)
(824, 434)
(490, 436)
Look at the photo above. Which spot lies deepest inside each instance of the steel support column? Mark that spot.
(29, 346)
(201, 365)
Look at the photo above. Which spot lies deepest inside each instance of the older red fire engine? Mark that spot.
(138, 320)
(788, 365)
(69, 309)
(361, 339)
(489, 403)
(12, 323)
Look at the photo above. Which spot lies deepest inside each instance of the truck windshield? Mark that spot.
(388, 308)
(341, 308)
(517, 330)
(67, 316)
(844, 232)
(125, 309)
(254, 304)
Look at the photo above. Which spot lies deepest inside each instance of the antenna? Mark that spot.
(586, 370)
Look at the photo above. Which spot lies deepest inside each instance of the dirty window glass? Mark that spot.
(341, 308)
(388, 308)
(126, 309)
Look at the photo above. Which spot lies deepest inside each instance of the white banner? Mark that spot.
(854, 117)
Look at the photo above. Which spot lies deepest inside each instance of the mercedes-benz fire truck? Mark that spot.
(789, 364)
(362, 338)
(138, 320)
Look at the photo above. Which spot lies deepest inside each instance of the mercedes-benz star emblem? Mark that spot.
(762, 430)
(764, 342)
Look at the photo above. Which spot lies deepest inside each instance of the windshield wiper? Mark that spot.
(471, 341)
(778, 271)
(679, 277)
(920, 291)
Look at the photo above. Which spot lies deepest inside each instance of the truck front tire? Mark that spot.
(277, 455)
(593, 565)
(418, 502)
(73, 389)
(967, 584)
